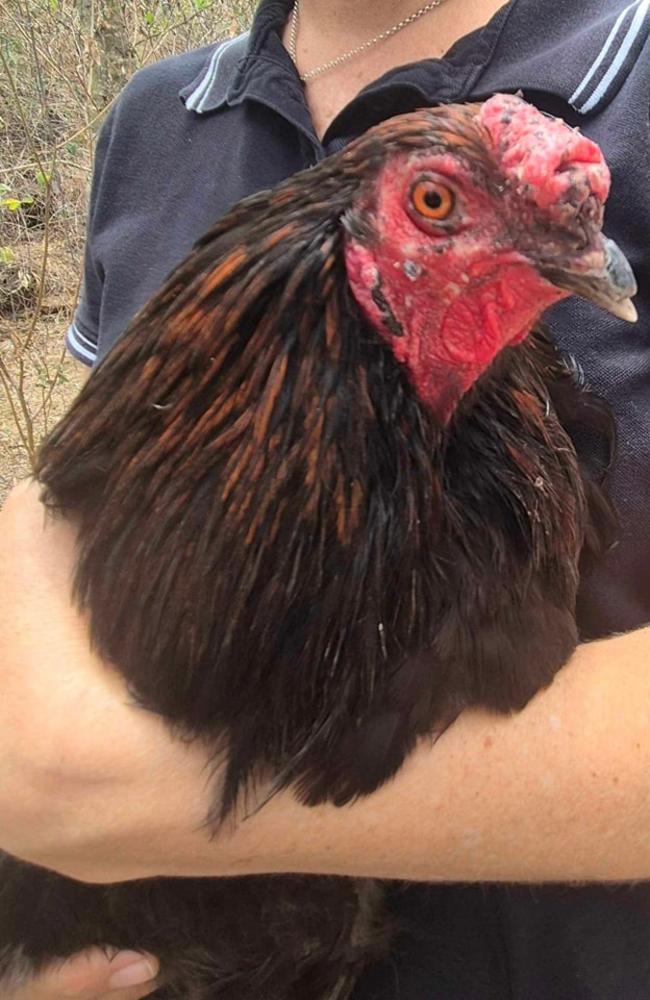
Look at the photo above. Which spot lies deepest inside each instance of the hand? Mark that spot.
(93, 975)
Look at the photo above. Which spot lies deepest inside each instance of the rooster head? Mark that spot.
(484, 217)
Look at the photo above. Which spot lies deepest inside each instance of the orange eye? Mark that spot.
(433, 200)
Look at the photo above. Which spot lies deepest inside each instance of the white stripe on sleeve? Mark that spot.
(79, 345)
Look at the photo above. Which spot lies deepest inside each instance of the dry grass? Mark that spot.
(32, 353)
(62, 62)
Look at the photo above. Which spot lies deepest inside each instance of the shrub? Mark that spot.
(62, 63)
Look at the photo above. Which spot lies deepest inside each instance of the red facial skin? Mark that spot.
(462, 290)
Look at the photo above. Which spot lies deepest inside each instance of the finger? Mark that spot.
(93, 975)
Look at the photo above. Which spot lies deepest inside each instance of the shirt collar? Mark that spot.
(579, 52)
(234, 67)
(210, 89)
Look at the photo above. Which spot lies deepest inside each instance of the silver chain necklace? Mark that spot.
(293, 38)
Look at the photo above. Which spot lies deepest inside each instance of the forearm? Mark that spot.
(99, 790)
(557, 792)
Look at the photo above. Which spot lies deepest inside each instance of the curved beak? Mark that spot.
(610, 285)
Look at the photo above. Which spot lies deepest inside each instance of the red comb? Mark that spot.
(548, 162)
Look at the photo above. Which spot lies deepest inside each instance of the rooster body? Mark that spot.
(329, 492)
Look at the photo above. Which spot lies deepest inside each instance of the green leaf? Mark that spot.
(7, 256)
(148, 17)
(72, 148)
(54, 6)
(12, 204)
(43, 179)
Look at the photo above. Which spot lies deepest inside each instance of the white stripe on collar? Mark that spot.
(611, 57)
(199, 96)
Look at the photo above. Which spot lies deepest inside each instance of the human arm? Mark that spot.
(557, 792)
(82, 373)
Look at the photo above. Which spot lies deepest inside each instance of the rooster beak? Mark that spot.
(610, 286)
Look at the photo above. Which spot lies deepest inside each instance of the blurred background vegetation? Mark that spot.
(62, 63)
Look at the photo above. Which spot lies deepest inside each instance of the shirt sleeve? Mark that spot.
(82, 335)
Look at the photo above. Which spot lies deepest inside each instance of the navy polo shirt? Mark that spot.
(192, 135)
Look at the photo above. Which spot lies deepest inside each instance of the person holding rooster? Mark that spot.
(555, 794)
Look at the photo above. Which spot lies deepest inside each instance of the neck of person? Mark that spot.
(352, 23)
(329, 28)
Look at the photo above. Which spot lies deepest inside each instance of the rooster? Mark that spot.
(329, 492)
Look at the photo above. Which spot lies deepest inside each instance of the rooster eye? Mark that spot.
(432, 200)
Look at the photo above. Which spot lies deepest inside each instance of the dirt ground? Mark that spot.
(14, 462)
(50, 376)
